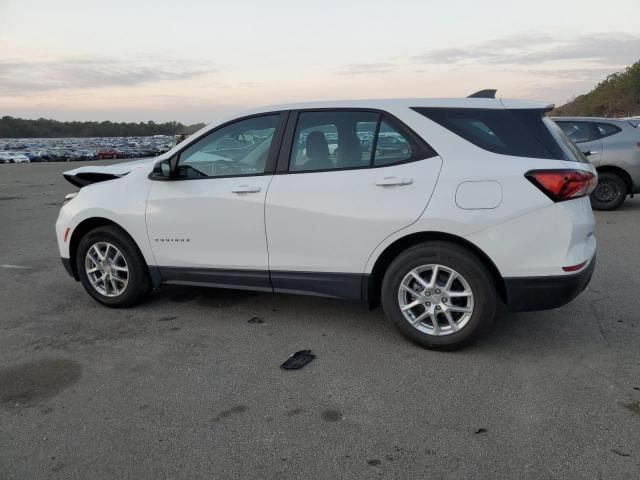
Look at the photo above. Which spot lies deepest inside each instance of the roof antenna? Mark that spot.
(488, 93)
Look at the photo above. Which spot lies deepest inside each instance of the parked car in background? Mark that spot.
(613, 147)
(13, 157)
(438, 230)
(107, 153)
(389, 144)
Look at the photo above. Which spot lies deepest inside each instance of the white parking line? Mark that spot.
(15, 266)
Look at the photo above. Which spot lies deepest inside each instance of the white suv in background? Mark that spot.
(466, 202)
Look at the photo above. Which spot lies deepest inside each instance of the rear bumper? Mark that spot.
(543, 293)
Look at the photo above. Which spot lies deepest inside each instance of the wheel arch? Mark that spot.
(85, 227)
(621, 172)
(373, 282)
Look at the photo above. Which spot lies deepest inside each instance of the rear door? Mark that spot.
(338, 192)
(585, 136)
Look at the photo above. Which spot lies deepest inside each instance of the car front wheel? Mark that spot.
(111, 268)
(439, 295)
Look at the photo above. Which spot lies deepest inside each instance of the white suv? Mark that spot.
(465, 202)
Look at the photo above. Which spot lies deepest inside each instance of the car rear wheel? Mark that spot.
(111, 268)
(439, 295)
(610, 192)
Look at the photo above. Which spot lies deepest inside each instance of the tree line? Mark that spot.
(11, 127)
(618, 95)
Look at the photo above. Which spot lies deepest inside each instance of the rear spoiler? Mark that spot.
(488, 93)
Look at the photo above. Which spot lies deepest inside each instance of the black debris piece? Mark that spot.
(481, 430)
(255, 321)
(298, 360)
(620, 452)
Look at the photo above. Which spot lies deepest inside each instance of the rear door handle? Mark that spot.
(394, 181)
(246, 189)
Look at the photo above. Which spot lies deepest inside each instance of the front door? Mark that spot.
(206, 225)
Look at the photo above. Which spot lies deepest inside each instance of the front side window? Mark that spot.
(333, 140)
(237, 149)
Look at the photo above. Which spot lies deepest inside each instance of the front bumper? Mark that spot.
(66, 263)
(544, 293)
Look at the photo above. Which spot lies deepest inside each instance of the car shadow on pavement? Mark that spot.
(517, 333)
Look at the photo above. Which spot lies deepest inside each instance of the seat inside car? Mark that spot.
(349, 152)
(317, 152)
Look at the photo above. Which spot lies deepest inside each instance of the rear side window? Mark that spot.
(346, 139)
(333, 140)
(521, 133)
(607, 129)
(392, 146)
(578, 131)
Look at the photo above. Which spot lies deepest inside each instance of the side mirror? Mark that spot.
(162, 170)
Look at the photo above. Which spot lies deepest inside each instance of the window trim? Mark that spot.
(423, 152)
(272, 156)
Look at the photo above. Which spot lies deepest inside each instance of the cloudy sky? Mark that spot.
(195, 60)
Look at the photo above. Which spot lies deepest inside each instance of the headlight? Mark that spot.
(68, 197)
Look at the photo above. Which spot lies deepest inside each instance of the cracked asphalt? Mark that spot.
(188, 385)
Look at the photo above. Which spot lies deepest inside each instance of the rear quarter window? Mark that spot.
(520, 133)
(607, 129)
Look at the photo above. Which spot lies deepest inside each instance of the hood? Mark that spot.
(83, 176)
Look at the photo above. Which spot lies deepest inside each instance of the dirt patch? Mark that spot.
(632, 407)
(87, 335)
(331, 415)
(230, 412)
(29, 383)
(294, 411)
(10, 198)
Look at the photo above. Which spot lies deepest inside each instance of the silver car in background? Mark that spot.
(613, 147)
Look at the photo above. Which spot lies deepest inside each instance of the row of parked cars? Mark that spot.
(78, 149)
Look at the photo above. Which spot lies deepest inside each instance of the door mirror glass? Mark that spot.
(162, 169)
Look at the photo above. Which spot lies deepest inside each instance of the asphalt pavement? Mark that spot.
(189, 385)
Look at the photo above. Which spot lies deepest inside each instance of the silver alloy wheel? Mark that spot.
(435, 299)
(106, 269)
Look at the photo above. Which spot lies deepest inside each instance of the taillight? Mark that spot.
(560, 185)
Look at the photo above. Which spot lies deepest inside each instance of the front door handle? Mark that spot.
(588, 153)
(394, 181)
(246, 189)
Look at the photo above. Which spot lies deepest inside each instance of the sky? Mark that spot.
(198, 60)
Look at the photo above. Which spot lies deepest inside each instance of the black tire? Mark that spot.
(610, 192)
(139, 281)
(464, 262)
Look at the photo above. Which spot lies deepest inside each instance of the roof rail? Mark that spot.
(488, 93)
